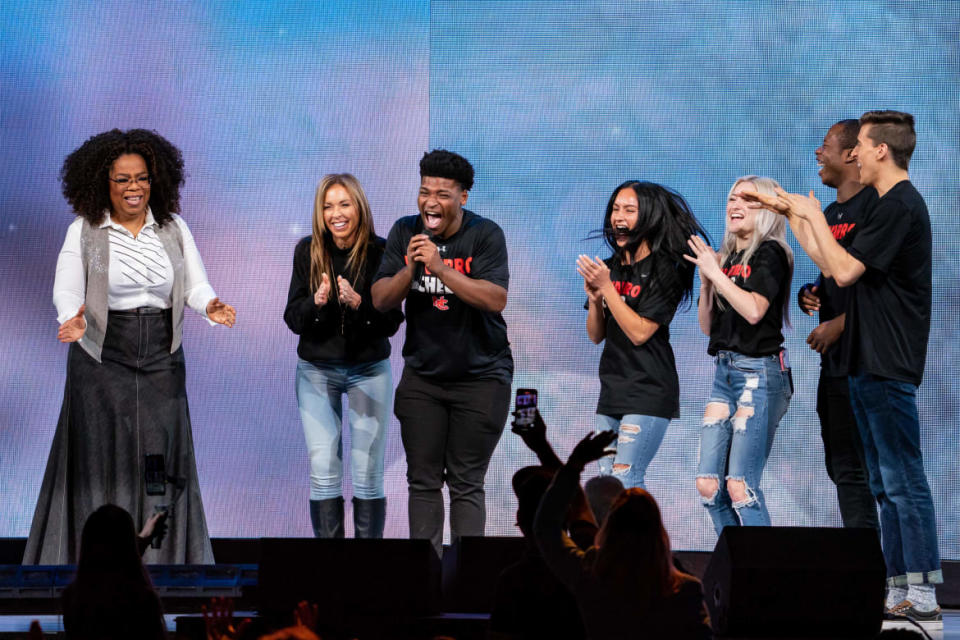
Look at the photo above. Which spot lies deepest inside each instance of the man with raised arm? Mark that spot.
(888, 269)
(452, 401)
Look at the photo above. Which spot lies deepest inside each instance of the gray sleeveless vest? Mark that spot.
(95, 253)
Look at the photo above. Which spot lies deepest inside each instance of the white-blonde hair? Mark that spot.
(767, 226)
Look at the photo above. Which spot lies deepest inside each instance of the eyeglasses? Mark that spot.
(123, 181)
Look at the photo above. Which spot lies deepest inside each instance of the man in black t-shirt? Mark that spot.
(450, 265)
(842, 448)
(888, 267)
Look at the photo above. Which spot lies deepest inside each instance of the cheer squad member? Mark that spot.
(450, 265)
(632, 297)
(743, 304)
(343, 349)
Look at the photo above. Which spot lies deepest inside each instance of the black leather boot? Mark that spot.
(369, 517)
(326, 516)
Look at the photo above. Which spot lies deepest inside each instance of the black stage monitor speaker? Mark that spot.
(796, 582)
(349, 578)
(471, 567)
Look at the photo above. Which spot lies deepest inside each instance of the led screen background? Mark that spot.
(554, 103)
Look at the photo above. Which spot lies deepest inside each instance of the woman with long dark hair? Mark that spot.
(111, 596)
(343, 349)
(626, 585)
(632, 297)
(744, 296)
(127, 269)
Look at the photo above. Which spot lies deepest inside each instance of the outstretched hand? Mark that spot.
(306, 615)
(72, 330)
(787, 204)
(704, 257)
(592, 447)
(221, 312)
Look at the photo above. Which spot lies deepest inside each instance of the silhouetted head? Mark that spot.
(602, 492)
(529, 484)
(108, 545)
(634, 548)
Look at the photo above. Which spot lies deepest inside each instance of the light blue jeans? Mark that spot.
(755, 394)
(369, 389)
(639, 438)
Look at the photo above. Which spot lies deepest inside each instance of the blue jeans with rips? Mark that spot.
(639, 438)
(886, 413)
(369, 390)
(754, 393)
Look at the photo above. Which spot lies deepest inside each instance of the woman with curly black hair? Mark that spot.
(127, 268)
(632, 297)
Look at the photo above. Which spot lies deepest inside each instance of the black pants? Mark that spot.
(844, 453)
(449, 432)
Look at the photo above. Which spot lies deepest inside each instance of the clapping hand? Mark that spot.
(592, 447)
(348, 297)
(72, 330)
(596, 275)
(322, 295)
(221, 312)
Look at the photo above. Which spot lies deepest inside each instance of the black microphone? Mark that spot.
(419, 266)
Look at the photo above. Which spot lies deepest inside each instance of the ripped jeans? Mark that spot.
(752, 395)
(640, 437)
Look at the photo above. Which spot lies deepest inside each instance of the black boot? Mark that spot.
(326, 516)
(369, 517)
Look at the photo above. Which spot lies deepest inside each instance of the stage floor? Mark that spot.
(16, 626)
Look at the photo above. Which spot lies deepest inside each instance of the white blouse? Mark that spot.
(140, 272)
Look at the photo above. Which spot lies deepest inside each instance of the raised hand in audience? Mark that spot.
(219, 621)
(535, 437)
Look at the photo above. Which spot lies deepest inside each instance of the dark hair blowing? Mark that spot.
(665, 221)
(894, 129)
(86, 171)
(441, 163)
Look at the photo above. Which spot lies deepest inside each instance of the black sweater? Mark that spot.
(335, 333)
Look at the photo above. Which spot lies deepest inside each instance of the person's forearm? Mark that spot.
(482, 294)
(804, 234)
(705, 309)
(743, 302)
(637, 328)
(596, 326)
(388, 293)
(833, 259)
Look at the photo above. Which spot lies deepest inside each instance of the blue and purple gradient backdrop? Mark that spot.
(555, 104)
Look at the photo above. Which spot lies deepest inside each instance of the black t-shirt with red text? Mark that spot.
(640, 379)
(843, 218)
(888, 313)
(446, 337)
(768, 273)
